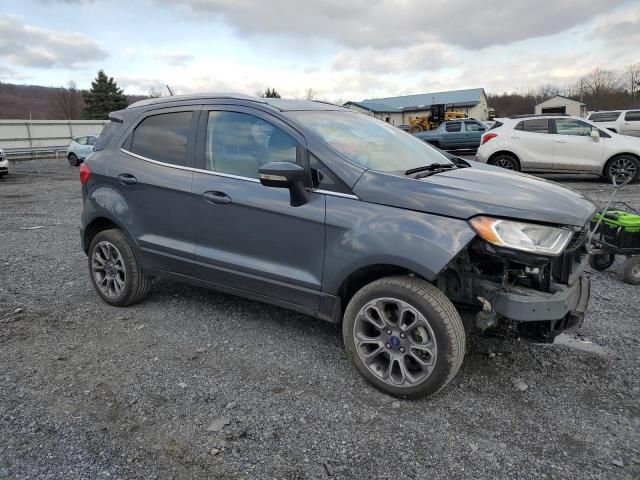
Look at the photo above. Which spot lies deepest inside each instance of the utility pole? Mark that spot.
(170, 91)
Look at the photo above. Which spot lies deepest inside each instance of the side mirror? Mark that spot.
(595, 135)
(285, 175)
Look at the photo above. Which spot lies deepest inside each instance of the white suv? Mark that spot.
(562, 144)
(4, 164)
(624, 122)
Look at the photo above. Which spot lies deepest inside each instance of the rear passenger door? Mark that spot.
(453, 135)
(151, 176)
(631, 123)
(532, 142)
(249, 237)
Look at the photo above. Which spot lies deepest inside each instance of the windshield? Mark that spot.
(369, 142)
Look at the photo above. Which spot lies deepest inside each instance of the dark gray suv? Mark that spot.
(337, 215)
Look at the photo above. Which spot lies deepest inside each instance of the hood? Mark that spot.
(467, 192)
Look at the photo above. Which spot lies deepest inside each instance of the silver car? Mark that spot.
(80, 148)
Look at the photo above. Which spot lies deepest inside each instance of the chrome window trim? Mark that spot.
(227, 175)
(336, 194)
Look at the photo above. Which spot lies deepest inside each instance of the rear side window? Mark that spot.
(604, 116)
(453, 126)
(108, 132)
(536, 125)
(632, 116)
(163, 137)
(239, 144)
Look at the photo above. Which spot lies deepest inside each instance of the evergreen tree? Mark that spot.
(271, 93)
(103, 98)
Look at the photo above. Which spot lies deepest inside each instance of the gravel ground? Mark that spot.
(196, 384)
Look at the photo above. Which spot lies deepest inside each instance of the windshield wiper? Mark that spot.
(429, 168)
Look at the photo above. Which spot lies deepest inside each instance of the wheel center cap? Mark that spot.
(394, 341)
(110, 270)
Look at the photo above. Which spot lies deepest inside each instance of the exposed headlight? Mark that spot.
(528, 237)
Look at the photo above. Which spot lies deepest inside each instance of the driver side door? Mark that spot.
(249, 237)
(574, 148)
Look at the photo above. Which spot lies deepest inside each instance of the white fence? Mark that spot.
(44, 134)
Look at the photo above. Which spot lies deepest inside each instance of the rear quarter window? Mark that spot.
(632, 116)
(108, 132)
(604, 116)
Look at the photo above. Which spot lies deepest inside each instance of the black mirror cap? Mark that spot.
(285, 175)
(280, 174)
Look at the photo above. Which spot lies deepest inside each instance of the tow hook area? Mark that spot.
(487, 317)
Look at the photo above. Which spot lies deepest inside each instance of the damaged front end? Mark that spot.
(540, 295)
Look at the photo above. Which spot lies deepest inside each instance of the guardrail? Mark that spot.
(35, 152)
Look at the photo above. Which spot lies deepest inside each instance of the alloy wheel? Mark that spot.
(623, 169)
(395, 342)
(108, 271)
(504, 162)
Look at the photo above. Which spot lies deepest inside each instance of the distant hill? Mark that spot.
(33, 101)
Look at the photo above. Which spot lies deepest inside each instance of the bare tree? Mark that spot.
(154, 92)
(599, 83)
(546, 91)
(310, 94)
(67, 101)
(631, 79)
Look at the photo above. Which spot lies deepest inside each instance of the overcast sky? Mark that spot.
(347, 49)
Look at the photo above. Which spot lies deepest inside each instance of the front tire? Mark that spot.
(601, 261)
(73, 160)
(623, 167)
(115, 272)
(506, 161)
(404, 336)
(631, 270)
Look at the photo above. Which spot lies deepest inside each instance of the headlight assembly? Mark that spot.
(527, 237)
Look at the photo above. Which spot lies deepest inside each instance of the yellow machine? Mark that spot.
(431, 122)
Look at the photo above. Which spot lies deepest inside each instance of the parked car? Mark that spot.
(624, 122)
(80, 148)
(559, 144)
(455, 135)
(337, 215)
(4, 164)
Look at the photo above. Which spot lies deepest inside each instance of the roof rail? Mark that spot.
(196, 96)
(535, 115)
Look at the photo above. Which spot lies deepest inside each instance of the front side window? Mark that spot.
(632, 116)
(81, 140)
(239, 144)
(454, 126)
(537, 125)
(163, 137)
(323, 179)
(368, 142)
(474, 127)
(91, 140)
(570, 126)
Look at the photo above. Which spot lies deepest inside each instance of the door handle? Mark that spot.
(219, 198)
(127, 179)
(561, 141)
(515, 137)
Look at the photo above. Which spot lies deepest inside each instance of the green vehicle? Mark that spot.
(617, 232)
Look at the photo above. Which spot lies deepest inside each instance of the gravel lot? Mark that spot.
(196, 384)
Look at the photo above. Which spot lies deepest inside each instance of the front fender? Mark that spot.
(361, 234)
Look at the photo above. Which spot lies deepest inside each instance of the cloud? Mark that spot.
(26, 45)
(7, 73)
(381, 24)
(177, 59)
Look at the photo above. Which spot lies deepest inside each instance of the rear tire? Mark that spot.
(425, 348)
(622, 167)
(73, 160)
(115, 272)
(631, 270)
(506, 161)
(601, 261)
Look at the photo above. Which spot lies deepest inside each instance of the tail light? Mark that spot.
(488, 136)
(85, 173)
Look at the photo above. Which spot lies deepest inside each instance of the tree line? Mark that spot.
(599, 90)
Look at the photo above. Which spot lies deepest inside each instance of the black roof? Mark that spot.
(278, 103)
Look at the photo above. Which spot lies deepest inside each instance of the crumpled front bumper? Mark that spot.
(528, 305)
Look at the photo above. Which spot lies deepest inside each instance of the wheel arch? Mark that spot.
(505, 152)
(100, 224)
(613, 157)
